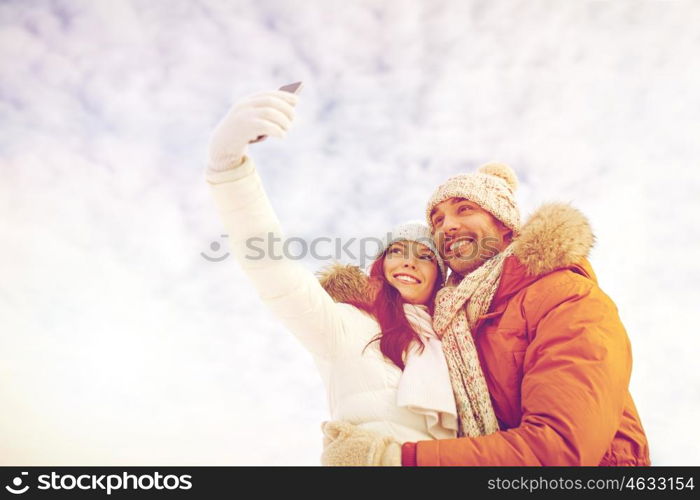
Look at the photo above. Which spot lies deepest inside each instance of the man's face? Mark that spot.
(467, 235)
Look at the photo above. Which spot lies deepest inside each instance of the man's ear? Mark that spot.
(505, 232)
(508, 237)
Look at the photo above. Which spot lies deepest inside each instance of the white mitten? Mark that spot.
(345, 444)
(267, 113)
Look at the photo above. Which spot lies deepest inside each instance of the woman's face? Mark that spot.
(411, 268)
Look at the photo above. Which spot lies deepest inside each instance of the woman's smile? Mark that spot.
(407, 278)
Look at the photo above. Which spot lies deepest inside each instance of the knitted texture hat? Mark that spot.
(413, 231)
(492, 187)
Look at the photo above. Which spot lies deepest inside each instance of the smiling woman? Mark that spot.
(411, 268)
(406, 276)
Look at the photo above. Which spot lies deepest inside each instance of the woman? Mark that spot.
(381, 363)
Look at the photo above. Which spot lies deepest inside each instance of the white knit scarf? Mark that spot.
(425, 387)
(454, 321)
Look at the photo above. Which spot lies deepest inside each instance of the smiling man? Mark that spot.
(467, 234)
(554, 353)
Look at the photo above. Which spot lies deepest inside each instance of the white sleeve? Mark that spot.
(291, 291)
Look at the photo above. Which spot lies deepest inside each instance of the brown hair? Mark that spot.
(387, 307)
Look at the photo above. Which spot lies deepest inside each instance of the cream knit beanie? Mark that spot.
(414, 231)
(492, 187)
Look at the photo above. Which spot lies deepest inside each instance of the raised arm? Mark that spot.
(290, 290)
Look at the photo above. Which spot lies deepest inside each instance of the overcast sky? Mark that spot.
(121, 344)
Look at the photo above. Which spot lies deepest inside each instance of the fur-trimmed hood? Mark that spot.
(556, 236)
(346, 283)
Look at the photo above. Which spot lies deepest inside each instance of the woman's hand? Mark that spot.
(345, 444)
(266, 113)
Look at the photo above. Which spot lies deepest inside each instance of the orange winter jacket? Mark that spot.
(557, 360)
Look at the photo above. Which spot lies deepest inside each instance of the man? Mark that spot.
(554, 353)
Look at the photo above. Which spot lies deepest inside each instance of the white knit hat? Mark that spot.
(492, 187)
(413, 231)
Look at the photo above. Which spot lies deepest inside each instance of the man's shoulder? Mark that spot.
(555, 288)
(562, 279)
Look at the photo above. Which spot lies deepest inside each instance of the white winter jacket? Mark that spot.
(361, 383)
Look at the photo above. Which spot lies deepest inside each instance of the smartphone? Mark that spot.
(292, 88)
